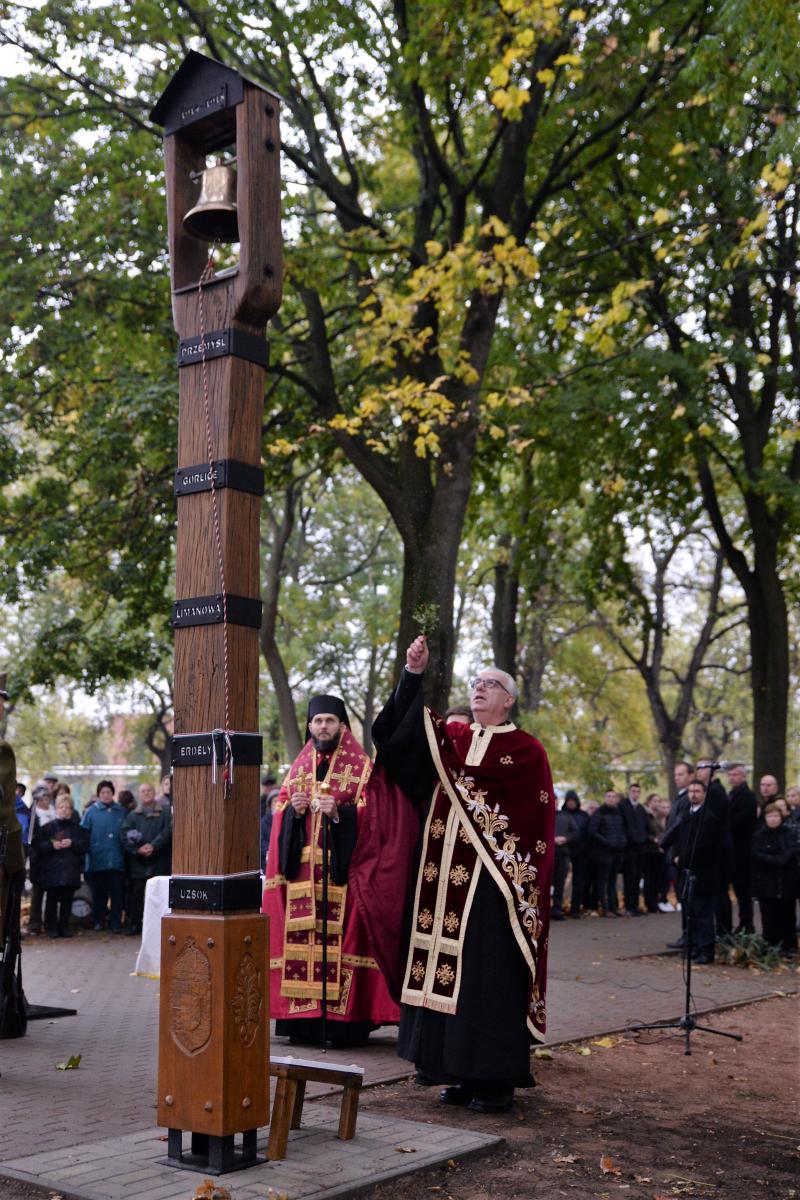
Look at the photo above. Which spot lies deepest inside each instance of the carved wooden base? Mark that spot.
(213, 1059)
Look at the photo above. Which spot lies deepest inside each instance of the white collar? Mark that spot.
(506, 727)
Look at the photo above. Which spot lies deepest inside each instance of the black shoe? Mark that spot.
(53, 933)
(457, 1095)
(97, 927)
(65, 933)
(425, 1080)
(676, 945)
(576, 916)
(557, 915)
(493, 1102)
(702, 959)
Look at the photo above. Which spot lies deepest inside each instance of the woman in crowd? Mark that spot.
(42, 813)
(61, 845)
(775, 879)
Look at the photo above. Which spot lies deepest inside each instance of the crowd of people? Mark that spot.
(115, 844)
(726, 839)
(749, 844)
(418, 890)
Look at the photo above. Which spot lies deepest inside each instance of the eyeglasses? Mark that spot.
(487, 683)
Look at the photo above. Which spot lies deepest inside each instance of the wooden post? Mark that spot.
(213, 1064)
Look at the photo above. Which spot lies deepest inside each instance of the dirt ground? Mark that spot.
(633, 1117)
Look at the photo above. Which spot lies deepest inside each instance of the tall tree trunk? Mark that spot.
(768, 622)
(504, 610)
(769, 675)
(431, 535)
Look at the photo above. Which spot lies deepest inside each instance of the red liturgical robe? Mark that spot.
(356, 989)
(490, 817)
(492, 810)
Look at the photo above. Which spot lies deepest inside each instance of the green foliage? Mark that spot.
(748, 950)
(48, 730)
(537, 254)
(426, 617)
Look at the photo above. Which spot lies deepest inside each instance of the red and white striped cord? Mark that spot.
(208, 272)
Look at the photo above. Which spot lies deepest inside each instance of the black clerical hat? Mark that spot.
(328, 704)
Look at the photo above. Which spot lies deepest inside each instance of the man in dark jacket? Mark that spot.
(146, 839)
(578, 852)
(717, 801)
(698, 843)
(743, 808)
(609, 840)
(566, 834)
(636, 825)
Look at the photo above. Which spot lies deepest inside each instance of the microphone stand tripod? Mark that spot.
(687, 1022)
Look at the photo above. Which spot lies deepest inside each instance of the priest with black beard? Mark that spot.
(326, 783)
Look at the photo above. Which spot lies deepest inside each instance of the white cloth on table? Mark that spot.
(156, 905)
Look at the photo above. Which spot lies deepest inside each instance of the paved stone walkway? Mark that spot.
(603, 976)
(317, 1164)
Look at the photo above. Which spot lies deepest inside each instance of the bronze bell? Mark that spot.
(213, 218)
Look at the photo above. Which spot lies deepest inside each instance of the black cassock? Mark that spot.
(486, 1040)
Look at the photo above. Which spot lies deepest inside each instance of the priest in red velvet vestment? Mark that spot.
(461, 820)
(327, 781)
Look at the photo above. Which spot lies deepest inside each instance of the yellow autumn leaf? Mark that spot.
(496, 432)
(764, 359)
(546, 76)
(577, 14)
(678, 411)
(777, 175)
(661, 216)
(653, 40)
(678, 148)
(499, 75)
(568, 60)
(758, 223)
(606, 1042)
(704, 430)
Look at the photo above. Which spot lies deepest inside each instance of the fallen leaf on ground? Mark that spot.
(607, 1165)
(71, 1064)
(406, 1149)
(642, 1179)
(584, 1050)
(606, 1042)
(565, 1158)
(208, 1190)
(542, 1053)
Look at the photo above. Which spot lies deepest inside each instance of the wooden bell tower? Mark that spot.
(213, 1063)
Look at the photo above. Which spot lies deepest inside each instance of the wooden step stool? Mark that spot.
(292, 1075)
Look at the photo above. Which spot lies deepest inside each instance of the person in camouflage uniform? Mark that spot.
(14, 857)
(13, 1015)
